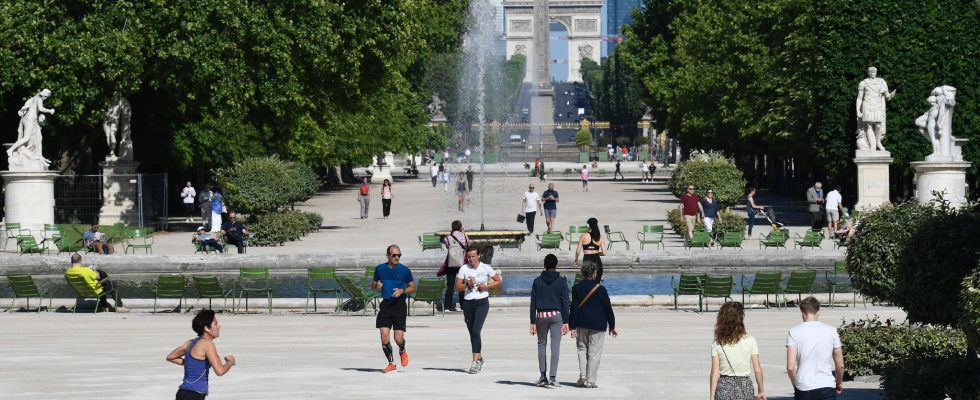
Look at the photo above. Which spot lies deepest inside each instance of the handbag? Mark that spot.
(442, 269)
(520, 217)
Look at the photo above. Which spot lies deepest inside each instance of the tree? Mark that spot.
(583, 138)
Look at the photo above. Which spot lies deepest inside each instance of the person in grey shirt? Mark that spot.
(815, 201)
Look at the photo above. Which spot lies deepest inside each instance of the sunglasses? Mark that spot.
(395, 255)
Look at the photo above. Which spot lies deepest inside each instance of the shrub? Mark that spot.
(677, 222)
(871, 346)
(709, 171)
(970, 305)
(937, 257)
(878, 245)
(925, 377)
(264, 184)
(276, 228)
(583, 138)
(315, 220)
(726, 221)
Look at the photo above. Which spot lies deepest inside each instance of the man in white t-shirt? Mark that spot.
(835, 208)
(434, 171)
(814, 360)
(530, 204)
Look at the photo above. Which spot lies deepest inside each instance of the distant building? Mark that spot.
(499, 48)
(618, 13)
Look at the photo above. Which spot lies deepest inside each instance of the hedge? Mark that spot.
(709, 171)
(276, 228)
(264, 184)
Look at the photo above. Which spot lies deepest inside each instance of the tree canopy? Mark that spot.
(780, 77)
(323, 82)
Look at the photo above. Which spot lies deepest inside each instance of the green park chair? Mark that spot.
(776, 238)
(717, 286)
(615, 237)
(69, 242)
(84, 291)
(137, 239)
(730, 239)
(170, 286)
(11, 231)
(687, 284)
(839, 279)
(799, 282)
(429, 290)
(549, 240)
(698, 239)
(574, 231)
(254, 280)
(322, 280)
(765, 283)
(430, 241)
(28, 245)
(51, 232)
(603, 156)
(567, 172)
(812, 238)
(367, 279)
(23, 286)
(209, 287)
(354, 292)
(651, 234)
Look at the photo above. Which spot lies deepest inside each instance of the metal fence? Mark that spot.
(140, 199)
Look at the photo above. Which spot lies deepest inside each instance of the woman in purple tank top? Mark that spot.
(198, 355)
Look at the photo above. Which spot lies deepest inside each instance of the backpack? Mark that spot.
(457, 251)
(364, 190)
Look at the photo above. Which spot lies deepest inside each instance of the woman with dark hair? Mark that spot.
(734, 355)
(476, 279)
(456, 244)
(592, 246)
(590, 315)
(386, 198)
(198, 356)
(751, 209)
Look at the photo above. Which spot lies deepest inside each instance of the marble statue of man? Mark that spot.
(946, 100)
(28, 144)
(117, 130)
(926, 123)
(872, 94)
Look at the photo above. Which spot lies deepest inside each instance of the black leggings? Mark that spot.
(595, 258)
(184, 394)
(475, 314)
(447, 301)
(529, 218)
(386, 207)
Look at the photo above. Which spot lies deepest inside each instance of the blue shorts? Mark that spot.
(553, 213)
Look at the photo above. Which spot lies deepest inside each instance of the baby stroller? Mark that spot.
(771, 217)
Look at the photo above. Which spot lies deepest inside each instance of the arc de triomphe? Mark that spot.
(581, 18)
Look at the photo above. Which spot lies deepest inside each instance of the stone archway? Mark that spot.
(582, 19)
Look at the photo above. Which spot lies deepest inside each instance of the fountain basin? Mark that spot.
(485, 240)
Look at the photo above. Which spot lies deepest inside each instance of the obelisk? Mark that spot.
(542, 93)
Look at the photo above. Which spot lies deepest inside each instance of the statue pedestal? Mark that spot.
(941, 176)
(380, 172)
(120, 193)
(29, 198)
(872, 178)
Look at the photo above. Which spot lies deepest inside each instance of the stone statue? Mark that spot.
(520, 49)
(25, 154)
(872, 94)
(937, 123)
(585, 51)
(435, 108)
(116, 124)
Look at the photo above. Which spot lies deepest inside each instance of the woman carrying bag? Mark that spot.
(456, 243)
(734, 356)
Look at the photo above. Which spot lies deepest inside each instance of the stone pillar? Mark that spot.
(120, 193)
(542, 93)
(873, 178)
(29, 198)
(948, 177)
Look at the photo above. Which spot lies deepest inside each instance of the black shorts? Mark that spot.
(184, 394)
(392, 315)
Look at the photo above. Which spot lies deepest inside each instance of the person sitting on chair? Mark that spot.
(97, 240)
(205, 240)
(97, 280)
(234, 232)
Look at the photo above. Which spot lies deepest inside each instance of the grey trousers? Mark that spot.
(589, 343)
(550, 326)
(365, 202)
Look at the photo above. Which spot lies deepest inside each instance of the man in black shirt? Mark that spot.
(234, 232)
(550, 198)
(469, 178)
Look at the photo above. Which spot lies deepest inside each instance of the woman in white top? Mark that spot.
(386, 198)
(476, 279)
(734, 356)
(189, 194)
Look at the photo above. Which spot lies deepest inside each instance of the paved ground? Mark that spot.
(659, 354)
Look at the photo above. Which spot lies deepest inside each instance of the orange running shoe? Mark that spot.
(390, 368)
(404, 359)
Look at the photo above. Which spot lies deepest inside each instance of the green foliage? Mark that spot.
(780, 77)
(925, 376)
(878, 245)
(583, 137)
(709, 171)
(727, 221)
(970, 306)
(615, 97)
(276, 228)
(676, 222)
(211, 81)
(315, 220)
(872, 345)
(936, 259)
(264, 184)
